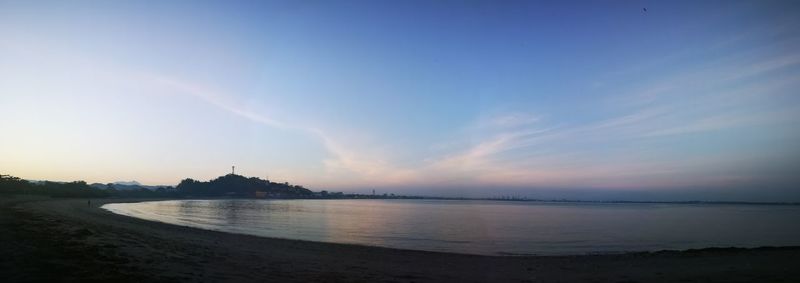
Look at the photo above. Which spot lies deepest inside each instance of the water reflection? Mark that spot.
(485, 227)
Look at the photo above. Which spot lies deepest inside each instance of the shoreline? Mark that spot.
(65, 238)
(500, 254)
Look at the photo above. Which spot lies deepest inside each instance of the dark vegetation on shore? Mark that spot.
(228, 186)
(241, 186)
(10, 185)
(225, 186)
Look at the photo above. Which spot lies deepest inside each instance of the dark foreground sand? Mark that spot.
(65, 240)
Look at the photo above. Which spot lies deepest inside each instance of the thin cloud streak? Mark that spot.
(556, 167)
(366, 168)
(215, 99)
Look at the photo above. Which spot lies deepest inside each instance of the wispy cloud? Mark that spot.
(522, 150)
(360, 166)
(510, 120)
(215, 98)
(345, 165)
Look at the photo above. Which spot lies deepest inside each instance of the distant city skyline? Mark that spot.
(686, 100)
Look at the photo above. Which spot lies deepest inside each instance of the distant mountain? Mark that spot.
(126, 186)
(114, 186)
(131, 183)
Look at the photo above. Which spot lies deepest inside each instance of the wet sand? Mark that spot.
(67, 240)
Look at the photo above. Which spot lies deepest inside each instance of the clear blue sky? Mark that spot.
(690, 99)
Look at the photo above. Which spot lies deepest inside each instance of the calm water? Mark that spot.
(487, 227)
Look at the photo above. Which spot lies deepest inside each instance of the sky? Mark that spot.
(595, 99)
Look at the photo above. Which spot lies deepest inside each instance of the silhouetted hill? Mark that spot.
(239, 186)
(15, 185)
(230, 185)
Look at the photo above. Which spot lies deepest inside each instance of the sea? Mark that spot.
(487, 227)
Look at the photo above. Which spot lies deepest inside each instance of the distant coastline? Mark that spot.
(237, 186)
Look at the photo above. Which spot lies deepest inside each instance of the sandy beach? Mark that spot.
(68, 240)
